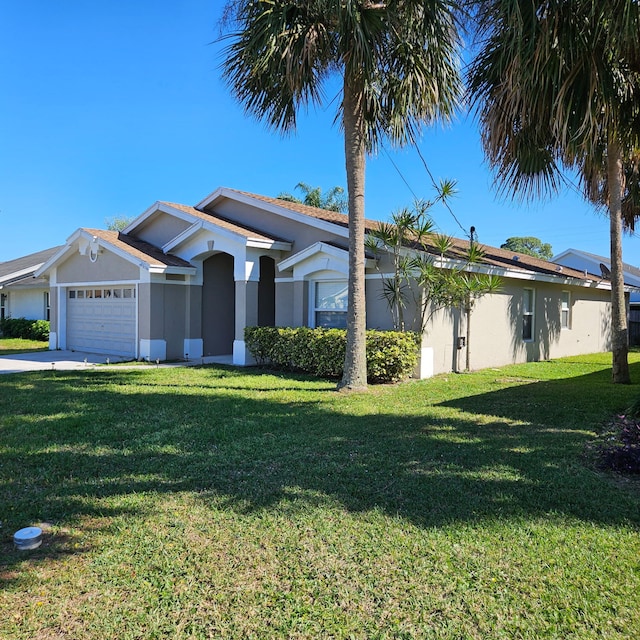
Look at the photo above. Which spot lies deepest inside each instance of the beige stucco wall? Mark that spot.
(78, 268)
(161, 228)
(496, 327)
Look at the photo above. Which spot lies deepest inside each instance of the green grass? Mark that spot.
(211, 502)
(14, 346)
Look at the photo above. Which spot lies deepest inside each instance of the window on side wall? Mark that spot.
(330, 305)
(528, 302)
(47, 306)
(565, 310)
(4, 306)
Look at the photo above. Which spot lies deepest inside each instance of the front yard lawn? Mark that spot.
(14, 346)
(210, 502)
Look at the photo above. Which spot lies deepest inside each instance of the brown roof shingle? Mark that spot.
(139, 249)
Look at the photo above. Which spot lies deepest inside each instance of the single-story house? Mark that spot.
(592, 263)
(22, 295)
(183, 282)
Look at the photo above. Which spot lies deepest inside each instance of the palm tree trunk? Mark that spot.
(354, 377)
(619, 330)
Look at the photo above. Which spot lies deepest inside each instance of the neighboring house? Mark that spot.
(21, 294)
(581, 260)
(183, 282)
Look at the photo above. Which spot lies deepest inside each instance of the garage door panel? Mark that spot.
(101, 324)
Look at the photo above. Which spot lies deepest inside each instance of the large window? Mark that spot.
(330, 305)
(565, 310)
(528, 303)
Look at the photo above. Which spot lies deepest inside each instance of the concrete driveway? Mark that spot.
(58, 360)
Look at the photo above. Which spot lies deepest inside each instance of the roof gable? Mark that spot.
(130, 248)
(26, 266)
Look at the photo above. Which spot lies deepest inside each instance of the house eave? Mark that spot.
(310, 221)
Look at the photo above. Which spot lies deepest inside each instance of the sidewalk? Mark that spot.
(58, 360)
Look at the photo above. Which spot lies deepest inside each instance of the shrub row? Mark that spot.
(391, 355)
(23, 328)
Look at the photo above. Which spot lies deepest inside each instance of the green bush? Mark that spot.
(26, 329)
(391, 355)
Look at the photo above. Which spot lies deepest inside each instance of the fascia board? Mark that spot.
(189, 271)
(521, 275)
(279, 245)
(307, 252)
(156, 207)
(283, 212)
(17, 275)
(212, 227)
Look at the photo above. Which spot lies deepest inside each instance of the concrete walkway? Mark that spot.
(58, 360)
(68, 360)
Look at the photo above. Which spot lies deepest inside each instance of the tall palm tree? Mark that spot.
(558, 84)
(398, 61)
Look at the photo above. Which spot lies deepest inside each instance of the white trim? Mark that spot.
(16, 275)
(152, 350)
(193, 348)
(241, 355)
(84, 238)
(212, 227)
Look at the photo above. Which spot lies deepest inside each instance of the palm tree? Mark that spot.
(398, 61)
(558, 84)
(331, 200)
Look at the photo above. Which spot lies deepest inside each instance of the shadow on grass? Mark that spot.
(74, 443)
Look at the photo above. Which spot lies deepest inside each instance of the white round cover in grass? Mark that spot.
(28, 538)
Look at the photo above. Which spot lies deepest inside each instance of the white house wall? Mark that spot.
(26, 303)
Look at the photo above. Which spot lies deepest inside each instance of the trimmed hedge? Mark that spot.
(391, 355)
(23, 328)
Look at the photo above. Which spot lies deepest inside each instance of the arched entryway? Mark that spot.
(218, 305)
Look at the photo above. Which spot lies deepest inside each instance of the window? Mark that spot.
(47, 306)
(528, 302)
(330, 305)
(4, 306)
(565, 310)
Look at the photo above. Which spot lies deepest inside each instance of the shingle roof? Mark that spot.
(26, 263)
(138, 249)
(607, 261)
(321, 214)
(492, 255)
(506, 259)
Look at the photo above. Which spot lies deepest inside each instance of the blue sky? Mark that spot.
(106, 107)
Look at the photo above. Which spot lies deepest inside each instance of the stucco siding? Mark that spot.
(107, 268)
(174, 317)
(161, 228)
(496, 336)
(26, 303)
(284, 304)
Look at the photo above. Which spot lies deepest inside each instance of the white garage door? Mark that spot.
(102, 320)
